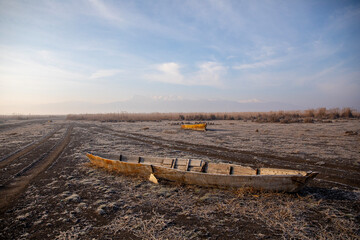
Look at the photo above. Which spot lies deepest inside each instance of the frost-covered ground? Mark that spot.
(73, 200)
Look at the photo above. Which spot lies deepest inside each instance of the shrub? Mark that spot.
(308, 120)
(321, 113)
(310, 113)
(347, 113)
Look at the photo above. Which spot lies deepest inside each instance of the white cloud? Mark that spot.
(208, 74)
(257, 65)
(167, 73)
(105, 73)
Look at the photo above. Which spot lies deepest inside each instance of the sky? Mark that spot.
(300, 54)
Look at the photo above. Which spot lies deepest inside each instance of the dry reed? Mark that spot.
(307, 116)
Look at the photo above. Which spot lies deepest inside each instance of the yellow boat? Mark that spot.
(198, 127)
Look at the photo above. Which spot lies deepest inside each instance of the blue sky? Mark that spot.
(303, 53)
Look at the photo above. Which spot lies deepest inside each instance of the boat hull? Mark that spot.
(138, 169)
(285, 183)
(198, 127)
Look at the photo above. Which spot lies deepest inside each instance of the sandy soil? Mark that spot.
(64, 197)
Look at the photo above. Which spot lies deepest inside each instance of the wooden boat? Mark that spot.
(198, 172)
(199, 126)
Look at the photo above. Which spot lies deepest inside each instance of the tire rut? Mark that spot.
(26, 149)
(19, 181)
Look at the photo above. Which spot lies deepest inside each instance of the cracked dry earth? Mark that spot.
(48, 189)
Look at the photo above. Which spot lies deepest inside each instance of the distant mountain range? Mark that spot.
(146, 105)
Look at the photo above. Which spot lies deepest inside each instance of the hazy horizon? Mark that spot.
(140, 104)
(90, 56)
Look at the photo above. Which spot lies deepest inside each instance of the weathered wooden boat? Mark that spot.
(198, 172)
(199, 126)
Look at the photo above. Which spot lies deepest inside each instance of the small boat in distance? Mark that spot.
(199, 172)
(198, 127)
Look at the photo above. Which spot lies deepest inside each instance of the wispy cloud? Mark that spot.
(33, 67)
(206, 74)
(344, 17)
(105, 11)
(167, 98)
(261, 52)
(252, 100)
(258, 65)
(103, 73)
(132, 17)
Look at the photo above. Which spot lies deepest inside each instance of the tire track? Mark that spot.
(26, 149)
(345, 175)
(18, 182)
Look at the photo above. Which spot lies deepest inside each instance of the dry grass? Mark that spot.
(287, 216)
(307, 116)
(153, 227)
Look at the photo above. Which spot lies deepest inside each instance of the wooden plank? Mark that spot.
(276, 171)
(182, 168)
(195, 163)
(194, 169)
(181, 162)
(218, 168)
(241, 170)
(154, 160)
(167, 161)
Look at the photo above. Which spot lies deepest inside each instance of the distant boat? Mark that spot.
(199, 127)
(199, 172)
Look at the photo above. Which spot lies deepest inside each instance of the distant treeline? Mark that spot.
(30, 117)
(308, 116)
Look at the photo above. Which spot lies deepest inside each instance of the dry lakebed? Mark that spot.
(49, 189)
